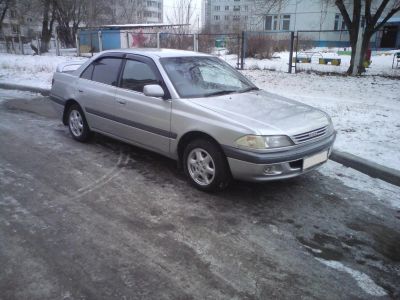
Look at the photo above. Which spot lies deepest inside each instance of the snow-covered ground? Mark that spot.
(30, 70)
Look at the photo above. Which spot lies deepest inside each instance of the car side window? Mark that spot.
(87, 74)
(106, 70)
(136, 75)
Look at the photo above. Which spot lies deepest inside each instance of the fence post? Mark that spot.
(158, 40)
(99, 37)
(127, 39)
(21, 45)
(58, 45)
(196, 42)
(242, 52)
(38, 45)
(77, 42)
(291, 51)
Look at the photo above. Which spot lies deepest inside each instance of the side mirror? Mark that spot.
(153, 90)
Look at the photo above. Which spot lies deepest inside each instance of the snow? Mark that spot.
(36, 71)
(363, 280)
(385, 193)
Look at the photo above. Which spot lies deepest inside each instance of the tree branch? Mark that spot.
(389, 15)
(379, 12)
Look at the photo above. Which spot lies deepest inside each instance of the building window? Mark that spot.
(272, 22)
(236, 18)
(216, 18)
(337, 18)
(14, 29)
(246, 18)
(13, 14)
(246, 8)
(29, 20)
(275, 22)
(226, 18)
(216, 8)
(227, 7)
(268, 22)
(236, 8)
(285, 22)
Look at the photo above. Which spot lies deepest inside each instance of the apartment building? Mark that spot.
(289, 15)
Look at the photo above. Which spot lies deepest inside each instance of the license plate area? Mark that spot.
(315, 159)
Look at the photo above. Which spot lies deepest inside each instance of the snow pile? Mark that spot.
(30, 70)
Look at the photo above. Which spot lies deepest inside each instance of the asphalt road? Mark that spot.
(106, 220)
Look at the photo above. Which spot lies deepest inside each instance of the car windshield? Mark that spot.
(204, 76)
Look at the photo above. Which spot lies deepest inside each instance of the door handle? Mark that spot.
(121, 101)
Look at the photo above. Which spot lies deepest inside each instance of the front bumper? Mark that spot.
(253, 166)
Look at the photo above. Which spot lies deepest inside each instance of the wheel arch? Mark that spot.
(67, 105)
(193, 135)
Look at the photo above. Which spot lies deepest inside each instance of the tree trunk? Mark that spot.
(46, 31)
(353, 44)
(364, 48)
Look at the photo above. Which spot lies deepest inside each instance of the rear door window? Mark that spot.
(106, 70)
(136, 75)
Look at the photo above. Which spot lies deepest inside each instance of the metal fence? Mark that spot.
(282, 51)
(328, 50)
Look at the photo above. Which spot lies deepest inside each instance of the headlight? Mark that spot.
(264, 142)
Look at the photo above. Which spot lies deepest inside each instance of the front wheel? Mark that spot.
(77, 124)
(205, 165)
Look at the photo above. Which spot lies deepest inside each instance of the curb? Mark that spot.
(13, 86)
(349, 160)
(366, 166)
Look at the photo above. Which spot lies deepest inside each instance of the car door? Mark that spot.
(144, 120)
(96, 93)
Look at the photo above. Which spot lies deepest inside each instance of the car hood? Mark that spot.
(266, 113)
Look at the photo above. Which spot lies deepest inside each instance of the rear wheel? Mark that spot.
(77, 124)
(205, 165)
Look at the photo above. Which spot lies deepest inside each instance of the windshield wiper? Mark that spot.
(252, 88)
(222, 92)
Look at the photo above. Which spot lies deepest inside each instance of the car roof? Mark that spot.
(155, 52)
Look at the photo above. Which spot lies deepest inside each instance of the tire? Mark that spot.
(77, 125)
(205, 166)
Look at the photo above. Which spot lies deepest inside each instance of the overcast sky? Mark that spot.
(170, 4)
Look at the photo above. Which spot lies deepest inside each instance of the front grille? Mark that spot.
(309, 135)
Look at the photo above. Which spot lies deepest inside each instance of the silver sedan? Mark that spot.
(194, 108)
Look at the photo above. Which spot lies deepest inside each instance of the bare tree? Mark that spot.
(376, 13)
(183, 12)
(69, 15)
(48, 15)
(4, 6)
